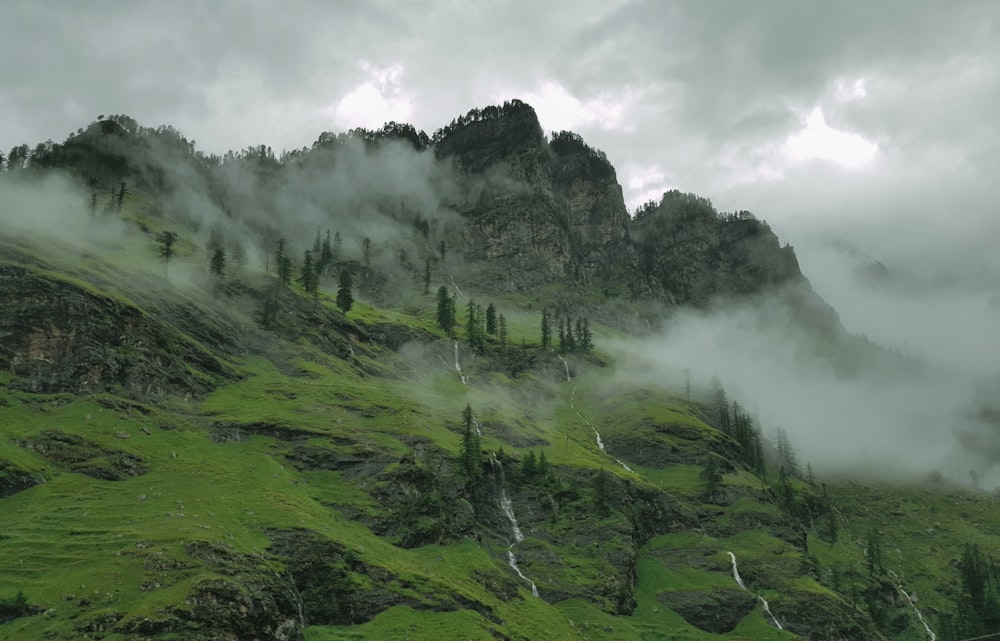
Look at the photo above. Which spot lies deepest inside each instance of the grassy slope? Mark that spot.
(81, 548)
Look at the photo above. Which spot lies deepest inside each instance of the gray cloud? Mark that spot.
(701, 96)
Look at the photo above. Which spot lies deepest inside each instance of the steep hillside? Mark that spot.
(190, 453)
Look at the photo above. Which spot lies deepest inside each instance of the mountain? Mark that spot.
(199, 444)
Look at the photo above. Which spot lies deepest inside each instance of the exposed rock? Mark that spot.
(77, 454)
(716, 610)
(822, 615)
(60, 337)
(13, 479)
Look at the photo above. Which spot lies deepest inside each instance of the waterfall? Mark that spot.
(478, 430)
(458, 366)
(909, 599)
(763, 601)
(508, 510)
(597, 435)
(736, 572)
(566, 365)
(512, 562)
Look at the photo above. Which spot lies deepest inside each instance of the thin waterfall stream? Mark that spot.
(763, 601)
(508, 509)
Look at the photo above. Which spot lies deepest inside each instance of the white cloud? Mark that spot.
(558, 109)
(818, 140)
(375, 101)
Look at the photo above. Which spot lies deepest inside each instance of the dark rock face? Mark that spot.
(537, 211)
(717, 610)
(77, 454)
(13, 479)
(822, 616)
(62, 338)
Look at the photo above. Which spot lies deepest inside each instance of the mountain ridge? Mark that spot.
(257, 462)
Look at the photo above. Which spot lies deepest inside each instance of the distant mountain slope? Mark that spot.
(196, 449)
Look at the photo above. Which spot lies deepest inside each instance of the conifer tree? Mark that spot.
(337, 247)
(711, 475)
(587, 341)
(471, 323)
(345, 299)
(309, 277)
(366, 251)
(491, 320)
(470, 450)
(218, 263)
(166, 240)
(445, 310)
(546, 329)
(427, 275)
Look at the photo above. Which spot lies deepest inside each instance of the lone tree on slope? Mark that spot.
(344, 297)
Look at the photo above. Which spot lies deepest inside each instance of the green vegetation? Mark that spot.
(196, 456)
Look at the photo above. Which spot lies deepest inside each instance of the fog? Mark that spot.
(910, 412)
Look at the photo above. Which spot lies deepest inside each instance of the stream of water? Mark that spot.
(508, 510)
(458, 366)
(763, 601)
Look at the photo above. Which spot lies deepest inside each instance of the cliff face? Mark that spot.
(697, 256)
(60, 337)
(539, 211)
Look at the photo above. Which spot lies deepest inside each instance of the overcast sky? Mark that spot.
(809, 113)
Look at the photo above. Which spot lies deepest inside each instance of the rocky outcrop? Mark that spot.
(537, 210)
(58, 336)
(716, 610)
(13, 479)
(76, 454)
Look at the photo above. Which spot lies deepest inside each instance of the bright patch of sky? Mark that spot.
(559, 110)
(379, 99)
(818, 140)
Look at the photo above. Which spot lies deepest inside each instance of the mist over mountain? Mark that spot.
(646, 394)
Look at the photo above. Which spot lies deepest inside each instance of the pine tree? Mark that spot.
(325, 253)
(491, 320)
(166, 240)
(587, 344)
(546, 330)
(445, 310)
(317, 248)
(711, 474)
(121, 195)
(283, 264)
(442, 250)
(366, 251)
(218, 263)
(344, 297)
(470, 450)
(427, 275)
(338, 246)
(569, 339)
(471, 323)
(309, 277)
